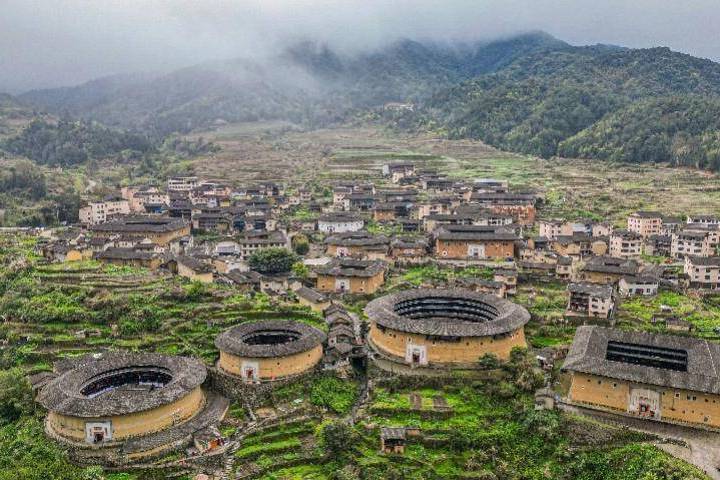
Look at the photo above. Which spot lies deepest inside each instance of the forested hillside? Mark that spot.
(544, 99)
(68, 143)
(682, 130)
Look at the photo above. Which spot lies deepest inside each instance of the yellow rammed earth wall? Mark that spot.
(467, 350)
(134, 424)
(676, 404)
(326, 283)
(273, 368)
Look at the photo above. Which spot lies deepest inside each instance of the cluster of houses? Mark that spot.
(206, 231)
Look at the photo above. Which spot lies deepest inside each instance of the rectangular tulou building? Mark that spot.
(654, 376)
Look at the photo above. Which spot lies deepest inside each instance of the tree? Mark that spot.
(336, 437)
(15, 395)
(272, 260)
(489, 361)
(300, 270)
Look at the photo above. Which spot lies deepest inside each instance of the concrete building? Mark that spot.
(444, 328)
(702, 272)
(340, 222)
(269, 350)
(692, 242)
(638, 285)
(645, 224)
(100, 212)
(653, 376)
(182, 184)
(590, 300)
(625, 244)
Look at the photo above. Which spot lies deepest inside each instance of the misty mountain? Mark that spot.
(531, 93)
(309, 83)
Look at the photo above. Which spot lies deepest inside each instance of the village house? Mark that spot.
(360, 244)
(182, 184)
(312, 299)
(437, 183)
(691, 242)
(384, 212)
(578, 245)
(339, 194)
(130, 257)
(590, 300)
(659, 245)
(361, 202)
(345, 275)
(193, 269)
(521, 206)
(625, 244)
(434, 221)
(250, 242)
(217, 221)
(140, 196)
(398, 171)
(245, 281)
(551, 229)
(100, 212)
(471, 242)
(645, 223)
(392, 440)
(653, 376)
(702, 272)
(638, 285)
(340, 222)
(160, 230)
(564, 268)
(704, 219)
(508, 277)
(437, 206)
(607, 270)
(481, 285)
(671, 224)
(489, 185)
(408, 250)
(343, 339)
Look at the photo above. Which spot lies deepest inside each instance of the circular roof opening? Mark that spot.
(140, 378)
(446, 312)
(447, 307)
(271, 337)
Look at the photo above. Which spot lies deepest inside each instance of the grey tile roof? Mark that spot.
(63, 394)
(233, 340)
(589, 348)
(447, 312)
(347, 267)
(139, 224)
(592, 289)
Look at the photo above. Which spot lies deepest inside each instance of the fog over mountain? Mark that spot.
(67, 42)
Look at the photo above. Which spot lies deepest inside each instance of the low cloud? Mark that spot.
(65, 42)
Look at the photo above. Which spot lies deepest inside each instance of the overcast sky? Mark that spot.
(47, 43)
